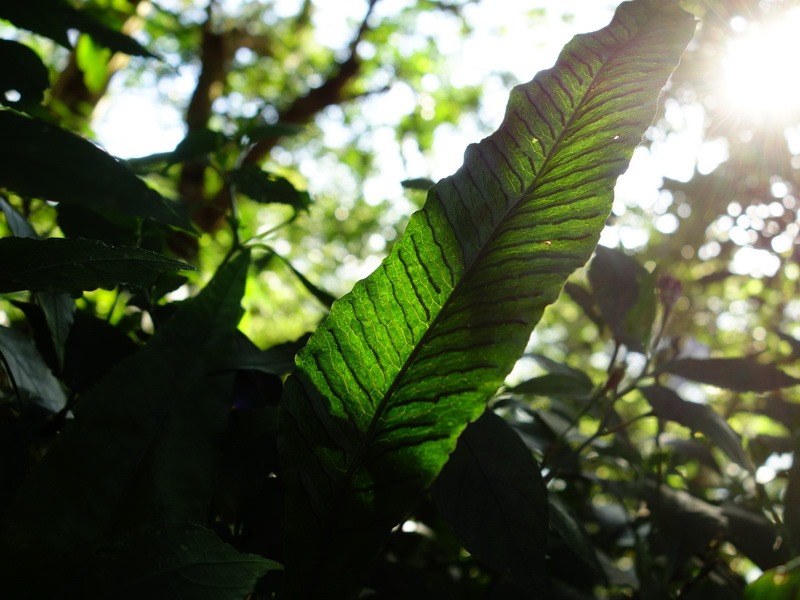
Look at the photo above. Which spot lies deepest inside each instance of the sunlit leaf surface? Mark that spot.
(410, 356)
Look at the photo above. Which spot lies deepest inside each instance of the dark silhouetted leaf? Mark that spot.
(569, 528)
(782, 411)
(697, 417)
(324, 298)
(58, 311)
(255, 132)
(267, 188)
(554, 384)
(791, 500)
(420, 183)
(691, 449)
(77, 172)
(583, 298)
(33, 378)
(93, 347)
(686, 524)
(23, 72)
(625, 292)
(53, 18)
(406, 360)
(277, 360)
(492, 494)
(168, 560)
(756, 536)
(58, 264)
(103, 35)
(742, 374)
(145, 439)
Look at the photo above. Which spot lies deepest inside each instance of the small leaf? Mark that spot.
(197, 144)
(569, 528)
(72, 265)
(625, 292)
(742, 374)
(250, 133)
(23, 72)
(324, 298)
(277, 360)
(492, 494)
(554, 384)
(102, 34)
(59, 310)
(781, 583)
(16, 222)
(92, 60)
(757, 537)
(697, 417)
(77, 172)
(267, 188)
(420, 183)
(32, 376)
(186, 559)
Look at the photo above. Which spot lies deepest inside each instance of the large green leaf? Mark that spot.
(144, 441)
(42, 160)
(409, 357)
(58, 264)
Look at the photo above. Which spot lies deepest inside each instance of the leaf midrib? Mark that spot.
(369, 434)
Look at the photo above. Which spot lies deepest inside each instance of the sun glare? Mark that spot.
(760, 72)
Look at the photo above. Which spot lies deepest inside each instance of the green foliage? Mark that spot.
(151, 445)
(421, 344)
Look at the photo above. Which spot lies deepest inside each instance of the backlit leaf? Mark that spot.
(58, 264)
(408, 358)
(781, 583)
(77, 172)
(492, 494)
